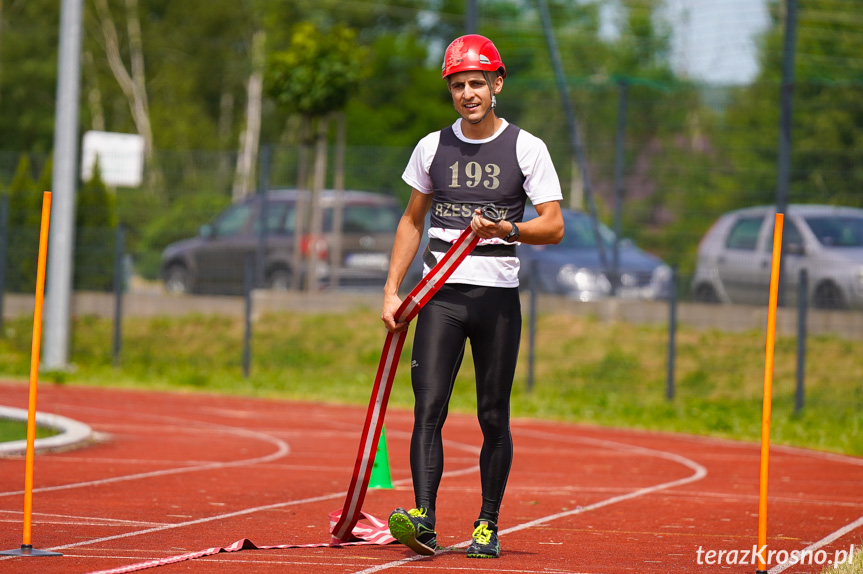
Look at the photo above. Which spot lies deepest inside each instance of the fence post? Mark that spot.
(247, 337)
(4, 218)
(263, 190)
(531, 345)
(619, 159)
(672, 334)
(802, 309)
(119, 284)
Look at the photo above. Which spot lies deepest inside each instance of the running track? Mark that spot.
(177, 473)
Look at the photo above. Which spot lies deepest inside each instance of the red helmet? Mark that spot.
(472, 52)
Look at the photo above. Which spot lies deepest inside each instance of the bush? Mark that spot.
(95, 237)
(95, 221)
(180, 220)
(22, 232)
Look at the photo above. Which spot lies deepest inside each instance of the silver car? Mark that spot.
(735, 256)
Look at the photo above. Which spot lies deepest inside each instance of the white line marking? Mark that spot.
(823, 542)
(200, 520)
(699, 473)
(472, 469)
(282, 449)
(89, 518)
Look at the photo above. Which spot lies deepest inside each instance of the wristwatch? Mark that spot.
(513, 234)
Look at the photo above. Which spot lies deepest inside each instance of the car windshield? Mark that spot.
(579, 233)
(837, 231)
(233, 221)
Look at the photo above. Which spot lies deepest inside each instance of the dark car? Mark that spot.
(735, 256)
(574, 266)
(215, 260)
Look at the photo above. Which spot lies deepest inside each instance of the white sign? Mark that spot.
(121, 158)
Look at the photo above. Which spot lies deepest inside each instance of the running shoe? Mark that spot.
(414, 529)
(485, 543)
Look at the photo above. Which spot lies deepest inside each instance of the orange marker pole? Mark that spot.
(26, 546)
(768, 390)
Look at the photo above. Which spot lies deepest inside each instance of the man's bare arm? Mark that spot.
(407, 242)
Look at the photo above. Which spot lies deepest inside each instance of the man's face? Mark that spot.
(471, 94)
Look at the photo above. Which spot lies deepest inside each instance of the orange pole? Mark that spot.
(768, 388)
(34, 366)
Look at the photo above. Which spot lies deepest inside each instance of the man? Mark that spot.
(480, 159)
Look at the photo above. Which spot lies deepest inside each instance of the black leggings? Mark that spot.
(491, 318)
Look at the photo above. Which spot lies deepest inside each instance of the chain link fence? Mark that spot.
(679, 176)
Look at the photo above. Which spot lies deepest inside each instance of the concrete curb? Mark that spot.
(72, 433)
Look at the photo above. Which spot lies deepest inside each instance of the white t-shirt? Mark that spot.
(541, 185)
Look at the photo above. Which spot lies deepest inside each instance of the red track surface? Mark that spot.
(181, 473)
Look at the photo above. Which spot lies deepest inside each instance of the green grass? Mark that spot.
(587, 371)
(854, 566)
(17, 430)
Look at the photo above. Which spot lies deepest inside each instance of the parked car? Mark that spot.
(574, 266)
(214, 261)
(735, 256)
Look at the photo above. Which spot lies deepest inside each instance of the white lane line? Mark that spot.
(823, 542)
(242, 512)
(740, 444)
(84, 521)
(201, 520)
(282, 449)
(699, 472)
(72, 517)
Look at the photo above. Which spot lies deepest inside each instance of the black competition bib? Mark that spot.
(467, 175)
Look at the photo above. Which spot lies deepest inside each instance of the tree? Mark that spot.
(25, 215)
(318, 72)
(132, 80)
(28, 59)
(398, 70)
(314, 78)
(250, 138)
(96, 223)
(827, 129)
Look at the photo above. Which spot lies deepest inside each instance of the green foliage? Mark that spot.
(95, 235)
(28, 61)
(402, 99)
(180, 220)
(45, 181)
(25, 215)
(827, 114)
(197, 64)
(96, 222)
(318, 72)
(691, 151)
(17, 430)
(587, 371)
(25, 199)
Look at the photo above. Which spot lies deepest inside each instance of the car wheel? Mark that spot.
(705, 294)
(280, 280)
(177, 279)
(828, 296)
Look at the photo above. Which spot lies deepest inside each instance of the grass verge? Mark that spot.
(587, 371)
(854, 565)
(16, 430)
